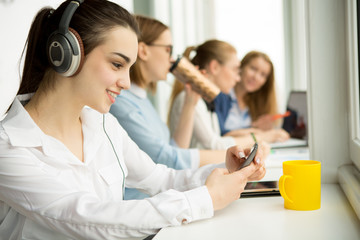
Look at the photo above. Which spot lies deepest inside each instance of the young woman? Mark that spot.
(218, 61)
(251, 104)
(64, 160)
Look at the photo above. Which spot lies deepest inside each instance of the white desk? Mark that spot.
(266, 218)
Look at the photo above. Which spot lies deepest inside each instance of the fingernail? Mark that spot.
(257, 160)
(241, 154)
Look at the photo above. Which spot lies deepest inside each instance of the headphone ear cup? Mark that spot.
(78, 60)
(61, 51)
(58, 51)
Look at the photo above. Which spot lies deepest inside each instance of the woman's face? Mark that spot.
(228, 74)
(158, 63)
(255, 74)
(106, 70)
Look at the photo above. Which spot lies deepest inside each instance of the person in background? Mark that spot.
(139, 118)
(251, 104)
(64, 160)
(217, 60)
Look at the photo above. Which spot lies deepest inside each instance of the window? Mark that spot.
(255, 25)
(349, 175)
(354, 79)
(234, 21)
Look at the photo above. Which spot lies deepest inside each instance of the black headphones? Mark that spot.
(64, 46)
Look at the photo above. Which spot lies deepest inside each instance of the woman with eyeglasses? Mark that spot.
(139, 118)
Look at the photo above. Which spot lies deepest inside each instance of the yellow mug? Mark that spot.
(300, 184)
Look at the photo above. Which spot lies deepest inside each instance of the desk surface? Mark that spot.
(266, 218)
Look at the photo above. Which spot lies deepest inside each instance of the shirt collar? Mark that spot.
(22, 131)
(138, 91)
(232, 94)
(18, 125)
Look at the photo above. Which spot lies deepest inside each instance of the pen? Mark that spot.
(277, 116)
(253, 136)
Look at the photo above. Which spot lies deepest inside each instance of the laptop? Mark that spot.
(295, 148)
(296, 124)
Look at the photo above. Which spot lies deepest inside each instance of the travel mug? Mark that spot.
(186, 72)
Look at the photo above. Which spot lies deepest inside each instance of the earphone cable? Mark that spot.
(122, 170)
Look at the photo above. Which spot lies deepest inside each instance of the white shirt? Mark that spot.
(48, 193)
(206, 133)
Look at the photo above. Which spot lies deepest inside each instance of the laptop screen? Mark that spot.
(297, 123)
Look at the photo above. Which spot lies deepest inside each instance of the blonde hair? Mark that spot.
(205, 53)
(262, 101)
(150, 30)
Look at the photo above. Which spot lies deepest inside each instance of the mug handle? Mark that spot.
(282, 187)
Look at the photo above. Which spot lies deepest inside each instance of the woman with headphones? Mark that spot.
(64, 160)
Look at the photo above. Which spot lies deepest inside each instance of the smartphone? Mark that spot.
(250, 157)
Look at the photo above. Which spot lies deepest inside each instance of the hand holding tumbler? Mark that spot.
(186, 72)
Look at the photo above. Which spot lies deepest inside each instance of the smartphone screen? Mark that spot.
(250, 157)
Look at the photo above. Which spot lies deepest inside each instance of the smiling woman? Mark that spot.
(111, 62)
(252, 103)
(64, 160)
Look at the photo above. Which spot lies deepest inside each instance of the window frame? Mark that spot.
(353, 83)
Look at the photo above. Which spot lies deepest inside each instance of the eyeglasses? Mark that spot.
(169, 47)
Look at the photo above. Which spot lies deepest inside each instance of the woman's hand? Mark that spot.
(192, 97)
(274, 135)
(264, 122)
(235, 156)
(243, 132)
(225, 187)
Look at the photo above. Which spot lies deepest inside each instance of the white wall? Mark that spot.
(15, 20)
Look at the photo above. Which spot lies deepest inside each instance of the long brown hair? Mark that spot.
(150, 30)
(92, 20)
(205, 53)
(262, 101)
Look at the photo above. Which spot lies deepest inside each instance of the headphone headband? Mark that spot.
(64, 46)
(67, 15)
